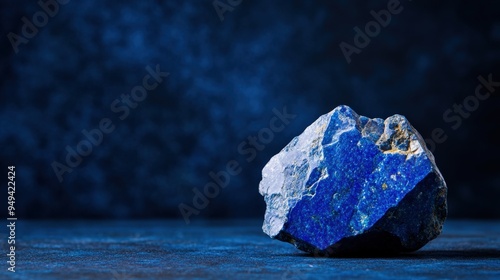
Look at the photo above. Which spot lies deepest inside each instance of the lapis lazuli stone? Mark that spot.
(350, 185)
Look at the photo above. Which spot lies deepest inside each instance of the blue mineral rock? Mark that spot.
(350, 185)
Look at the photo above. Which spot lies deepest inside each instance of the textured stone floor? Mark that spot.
(231, 250)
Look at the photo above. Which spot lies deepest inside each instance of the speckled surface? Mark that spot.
(349, 179)
(232, 250)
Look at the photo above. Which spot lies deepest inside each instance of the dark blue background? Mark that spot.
(225, 79)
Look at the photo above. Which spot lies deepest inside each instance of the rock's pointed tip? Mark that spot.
(344, 109)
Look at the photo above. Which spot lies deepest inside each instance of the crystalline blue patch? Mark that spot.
(362, 184)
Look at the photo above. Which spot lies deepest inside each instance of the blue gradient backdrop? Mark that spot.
(225, 79)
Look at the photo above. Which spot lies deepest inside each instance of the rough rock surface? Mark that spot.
(350, 185)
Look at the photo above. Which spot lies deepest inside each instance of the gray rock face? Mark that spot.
(353, 185)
